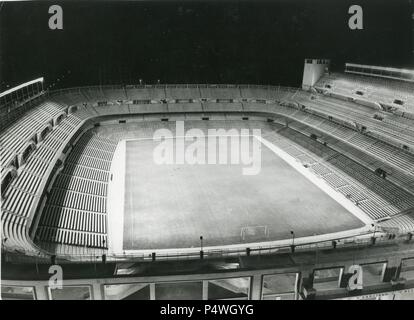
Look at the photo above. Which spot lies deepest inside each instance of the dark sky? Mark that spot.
(258, 42)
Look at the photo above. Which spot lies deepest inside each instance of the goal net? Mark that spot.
(254, 233)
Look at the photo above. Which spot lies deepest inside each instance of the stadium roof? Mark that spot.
(5, 93)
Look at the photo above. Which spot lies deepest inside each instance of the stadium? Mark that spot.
(337, 175)
(215, 190)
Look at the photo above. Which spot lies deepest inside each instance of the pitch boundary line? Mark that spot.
(320, 183)
(361, 232)
(116, 199)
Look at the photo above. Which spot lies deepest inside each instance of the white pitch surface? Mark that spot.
(169, 206)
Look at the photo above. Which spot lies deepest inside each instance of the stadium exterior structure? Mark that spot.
(385, 254)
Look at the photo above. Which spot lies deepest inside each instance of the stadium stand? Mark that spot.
(75, 211)
(52, 157)
(390, 93)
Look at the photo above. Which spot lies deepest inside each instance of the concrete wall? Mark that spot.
(313, 71)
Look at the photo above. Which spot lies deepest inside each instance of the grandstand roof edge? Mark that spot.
(379, 68)
(5, 93)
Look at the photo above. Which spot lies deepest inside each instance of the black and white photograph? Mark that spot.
(221, 151)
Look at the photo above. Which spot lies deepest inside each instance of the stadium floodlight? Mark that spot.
(293, 241)
(292, 246)
(103, 247)
(201, 248)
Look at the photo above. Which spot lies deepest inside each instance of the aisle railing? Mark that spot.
(91, 255)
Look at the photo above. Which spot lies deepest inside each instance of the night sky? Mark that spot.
(257, 42)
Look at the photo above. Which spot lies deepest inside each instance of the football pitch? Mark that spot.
(172, 205)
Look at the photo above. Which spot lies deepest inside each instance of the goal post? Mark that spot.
(254, 233)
